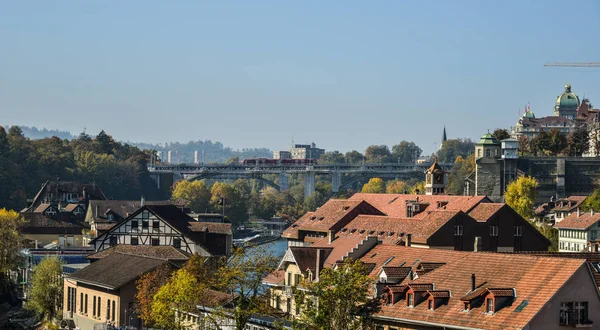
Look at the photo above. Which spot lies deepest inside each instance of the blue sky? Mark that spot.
(344, 74)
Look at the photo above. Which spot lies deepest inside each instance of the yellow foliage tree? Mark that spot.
(396, 187)
(181, 293)
(10, 240)
(419, 188)
(521, 195)
(193, 194)
(374, 186)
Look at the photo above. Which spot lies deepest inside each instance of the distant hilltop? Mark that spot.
(209, 151)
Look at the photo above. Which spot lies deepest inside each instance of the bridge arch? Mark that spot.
(237, 176)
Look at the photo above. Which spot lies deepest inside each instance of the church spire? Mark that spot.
(444, 138)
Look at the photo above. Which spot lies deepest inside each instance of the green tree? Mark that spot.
(332, 157)
(243, 274)
(181, 292)
(374, 186)
(521, 194)
(315, 200)
(592, 202)
(378, 154)
(233, 160)
(103, 143)
(406, 152)
(147, 286)
(460, 170)
(454, 148)
(46, 287)
(339, 300)
(578, 142)
(236, 209)
(354, 157)
(10, 241)
(194, 194)
(396, 187)
(550, 233)
(500, 134)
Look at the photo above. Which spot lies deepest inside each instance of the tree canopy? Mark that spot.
(521, 194)
(406, 152)
(378, 154)
(194, 194)
(374, 186)
(453, 148)
(339, 300)
(10, 241)
(46, 290)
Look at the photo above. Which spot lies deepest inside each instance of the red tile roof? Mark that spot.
(484, 211)
(275, 278)
(578, 221)
(340, 247)
(493, 271)
(395, 204)
(210, 227)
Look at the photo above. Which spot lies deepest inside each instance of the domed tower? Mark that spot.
(435, 180)
(566, 104)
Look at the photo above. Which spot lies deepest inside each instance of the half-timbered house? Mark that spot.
(167, 225)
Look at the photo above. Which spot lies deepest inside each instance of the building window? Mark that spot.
(113, 240)
(487, 153)
(134, 224)
(410, 300)
(458, 230)
(110, 217)
(134, 241)
(155, 242)
(94, 307)
(493, 230)
(155, 225)
(81, 303)
(108, 309)
(490, 305)
(144, 223)
(574, 313)
(430, 304)
(518, 231)
(99, 307)
(69, 299)
(85, 309)
(113, 311)
(177, 243)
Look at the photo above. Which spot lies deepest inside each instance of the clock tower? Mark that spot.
(435, 180)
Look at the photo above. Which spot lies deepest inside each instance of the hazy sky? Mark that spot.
(344, 74)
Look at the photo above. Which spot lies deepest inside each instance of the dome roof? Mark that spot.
(529, 114)
(567, 99)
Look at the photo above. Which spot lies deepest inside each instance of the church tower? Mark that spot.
(435, 180)
(566, 104)
(444, 138)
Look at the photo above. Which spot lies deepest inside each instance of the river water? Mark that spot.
(278, 248)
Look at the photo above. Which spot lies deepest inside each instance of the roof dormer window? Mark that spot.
(345, 208)
(489, 305)
(321, 218)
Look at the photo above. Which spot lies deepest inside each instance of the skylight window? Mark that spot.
(371, 232)
(362, 231)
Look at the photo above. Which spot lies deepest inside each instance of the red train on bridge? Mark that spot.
(271, 161)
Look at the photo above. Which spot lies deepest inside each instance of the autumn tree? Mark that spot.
(10, 241)
(243, 274)
(147, 286)
(194, 194)
(406, 152)
(521, 194)
(180, 293)
(339, 300)
(378, 154)
(46, 289)
(396, 187)
(374, 186)
(500, 134)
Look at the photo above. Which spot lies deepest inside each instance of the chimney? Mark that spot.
(331, 235)
(408, 240)
(578, 212)
(97, 211)
(472, 282)
(85, 195)
(142, 202)
(478, 245)
(318, 265)
(591, 211)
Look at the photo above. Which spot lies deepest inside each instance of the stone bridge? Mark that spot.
(167, 174)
